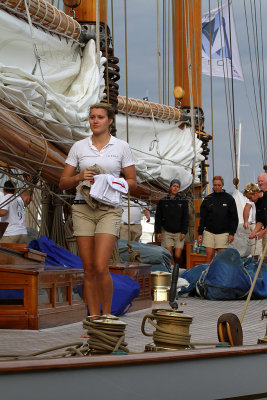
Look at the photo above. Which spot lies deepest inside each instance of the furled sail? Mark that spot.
(53, 87)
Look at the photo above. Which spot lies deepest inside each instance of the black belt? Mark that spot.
(79, 202)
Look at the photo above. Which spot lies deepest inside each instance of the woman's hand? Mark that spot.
(87, 175)
(246, 225)
(69, 179)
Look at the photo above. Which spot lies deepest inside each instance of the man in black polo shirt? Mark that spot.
(218, 219)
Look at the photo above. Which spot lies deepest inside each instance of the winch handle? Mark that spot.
(173, 289)
(151, 316)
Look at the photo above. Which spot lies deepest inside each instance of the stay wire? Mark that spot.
(263, 84)
(211, 98)
(106, 49)
(260, 81)
(256, 40)
(232, 89)
(229, 109)
(226, 90)
(253, 82)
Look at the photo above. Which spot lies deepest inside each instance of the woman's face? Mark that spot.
(99, 121)
(253, 197)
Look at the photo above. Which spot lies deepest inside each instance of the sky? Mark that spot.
(143, 81)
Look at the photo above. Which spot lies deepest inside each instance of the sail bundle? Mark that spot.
(54, 94)
(44, 15)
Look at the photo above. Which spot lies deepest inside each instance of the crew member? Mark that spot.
(171, 221)
(253, 193)
(97, 228)
(218, 219)
(12, 212)
(135, 226)
(250, 210)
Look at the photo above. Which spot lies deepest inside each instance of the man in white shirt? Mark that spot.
(135, 227)
(12, 211)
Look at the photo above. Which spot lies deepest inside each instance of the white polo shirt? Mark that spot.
(112, 157)
(15, 216)
(135, 212)
(252, 213)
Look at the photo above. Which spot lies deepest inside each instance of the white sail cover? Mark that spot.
(56, 93)
(162, 150)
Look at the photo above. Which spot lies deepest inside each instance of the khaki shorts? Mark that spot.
(215, 241)
(135, 232)
(169, 239)
(14, 239)
(102, 219)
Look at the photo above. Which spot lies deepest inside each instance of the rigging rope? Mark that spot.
(158, 54)
(211, 99)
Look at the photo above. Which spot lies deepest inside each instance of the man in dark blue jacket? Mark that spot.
(171, 221)
(218, 219)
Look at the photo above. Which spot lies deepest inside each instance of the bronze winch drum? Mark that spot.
(160, 285)
(160, 278)
(172, 328)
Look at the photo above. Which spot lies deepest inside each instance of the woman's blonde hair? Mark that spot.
(251, 188)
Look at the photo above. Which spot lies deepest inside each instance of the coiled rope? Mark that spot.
(106, 334)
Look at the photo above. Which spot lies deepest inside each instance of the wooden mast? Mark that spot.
(187, 48)
(86, 11)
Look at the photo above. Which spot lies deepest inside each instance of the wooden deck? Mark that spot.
(205, 314)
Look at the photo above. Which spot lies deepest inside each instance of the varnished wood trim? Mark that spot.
(140, 358)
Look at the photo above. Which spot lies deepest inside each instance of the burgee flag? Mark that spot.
(215, 30)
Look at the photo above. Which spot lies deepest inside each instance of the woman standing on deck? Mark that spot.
(97, 229)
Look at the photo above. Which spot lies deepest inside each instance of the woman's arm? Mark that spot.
(69, 179)
(130, 176)
(246, 212)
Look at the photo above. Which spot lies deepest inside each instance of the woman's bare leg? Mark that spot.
(104, 245)
(86, 245)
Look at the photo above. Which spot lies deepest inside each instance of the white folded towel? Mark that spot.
(107, 189)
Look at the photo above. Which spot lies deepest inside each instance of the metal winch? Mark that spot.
(171, 329)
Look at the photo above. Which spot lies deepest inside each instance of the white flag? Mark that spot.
(215, 30)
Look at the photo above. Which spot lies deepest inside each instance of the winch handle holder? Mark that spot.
(150, 317)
